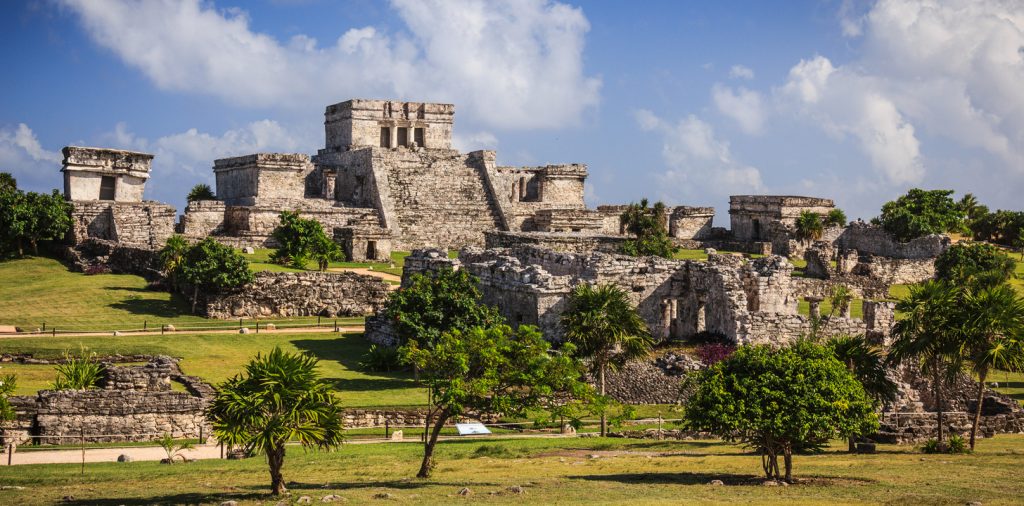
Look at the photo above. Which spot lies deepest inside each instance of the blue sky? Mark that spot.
(681, 101)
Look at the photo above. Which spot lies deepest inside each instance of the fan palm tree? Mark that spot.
(867, 363)
(926, 334)
(606, 329)
(992, 329)
(280, 398)
(171, 254)
(809, 227)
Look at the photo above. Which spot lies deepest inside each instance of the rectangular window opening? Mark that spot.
(108, 187)
(419, 137)
(403, 136)
(385, 137)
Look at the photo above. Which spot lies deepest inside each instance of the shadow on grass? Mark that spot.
(682, 478)
(184, 498)
(154, 308)
(407, 484)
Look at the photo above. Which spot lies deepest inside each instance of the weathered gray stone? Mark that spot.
(301, 294)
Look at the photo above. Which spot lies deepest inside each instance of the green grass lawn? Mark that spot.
(549, 471)
(1010, 383)
(260, 261)
(856, 308)
(216, 357)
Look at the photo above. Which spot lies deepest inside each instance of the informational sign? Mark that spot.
(470, 429)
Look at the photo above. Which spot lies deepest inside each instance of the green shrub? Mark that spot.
(921, 212)
(493, 451)
(200, 192)
(381, 359)
(955, 444)
(8, 384)
(78, 373)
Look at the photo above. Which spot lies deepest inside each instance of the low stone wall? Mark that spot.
(874, 240)
(141, 224)
(374, 418)
(896, 270)
(301, 294)
(118, 258)
(910, 428)
(202, 218)
(579, 243)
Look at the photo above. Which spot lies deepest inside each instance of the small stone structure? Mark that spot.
(105, 188)
(750, 215)
(301, 294)
(132, 403)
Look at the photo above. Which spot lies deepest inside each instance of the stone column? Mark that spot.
(815, 303)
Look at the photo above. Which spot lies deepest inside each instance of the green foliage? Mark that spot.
(280, 398)
(8, 384)
(303, 239)
(381, 359)
(955, 445)
(778, 401)
(491, 370)
(434, 304)
(30, 218)
(211, 267)
(809, 226)
(7, 181)
(171, 255)
(174, 448)
(840, 299)
(921, 212)
(974, 263)
(867, 363)
(78, 372)
(1000, 227)
(200, 192)
(648, 225)
(835, 218)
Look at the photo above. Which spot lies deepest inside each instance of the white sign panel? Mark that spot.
(469, 429)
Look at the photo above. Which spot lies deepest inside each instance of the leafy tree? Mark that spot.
(1001, 227)
(927, 335)
(78, 372)
(971, 209)
(444, 301)
(649, 226)
(491, 370)
(201, 192)
(7, 180)
(301, 239)
(809, 226)
(15, 220)
(605, 328)
(867, 364)
(8, 384)
(992, 324)
(1020, 243)
(211, 267)
(171, 255)
(835, 218)
(778, 401)
(921, 212)
(280, 398)
(973, 263)
(49, 218)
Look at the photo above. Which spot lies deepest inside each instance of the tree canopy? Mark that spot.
(436, 303)
(780, 400)
(280, 398)
(491, 370)
(27, 218)
(211, 267)
(649, 227)
(302, 239)
(8, 384)
(974, 263)
(809, 226)
(920, 213)
(200, 191)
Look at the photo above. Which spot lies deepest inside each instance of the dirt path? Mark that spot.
(252, 330)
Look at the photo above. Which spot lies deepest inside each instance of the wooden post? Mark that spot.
(239, 324)
(54, 329)
(386, 427)
(44, 326)
(82, 429)
(335, 324)
(222, 450)
(317, 321)
(162, 327)
(10, 453)
(145, 325)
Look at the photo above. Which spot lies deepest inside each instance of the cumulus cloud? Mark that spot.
(741, 72)
(474, 141)
(699, 163)
(509, 63)
(743, 106)
(24, 157)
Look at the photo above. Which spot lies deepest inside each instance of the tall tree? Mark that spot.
(436, 303)
(15, 220)
(867, 364)
(926, 336)
(211, 267)
(491, 370)
(606, 329)
(280, 398)
(992, 326)
(921, 212)
(50, 218)
(171, 256)
(649, 227)
(301, 239)
(778, 400)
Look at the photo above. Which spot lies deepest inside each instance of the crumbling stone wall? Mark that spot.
(120, 259)
(301, 294)
(269, 179)
(872, 240)
(202, 218)
(691, 222)
(580, 244)
(144, 224)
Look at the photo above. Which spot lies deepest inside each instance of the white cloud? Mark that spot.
(741, 72)
(509, 64)
(700, 164)
(23, 156)
(474, 141)
(743, 106)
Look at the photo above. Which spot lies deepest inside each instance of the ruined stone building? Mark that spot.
(105, 188)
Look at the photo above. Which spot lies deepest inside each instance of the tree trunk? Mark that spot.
(35, 247)
(21, 251)
(977, 411)
(195, 297)
(275, 458)
(788, 460)
(604, 416)
(428, 448)
(938, 398)
(852, 369)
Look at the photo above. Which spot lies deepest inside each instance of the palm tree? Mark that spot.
(280, 398)
(171, 255)
(809, 227)
(606, 329)
(867, 363)
(926, 334)
(992, 328)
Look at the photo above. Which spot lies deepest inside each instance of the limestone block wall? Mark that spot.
(144, 224)
(84, 168)
(568, 220)
(872, 240)
(578, 243)
(203, 218)
(895, 270)
(691, 222)
(357, 123)
(750, 215)
(274, 179)
(301, 294)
